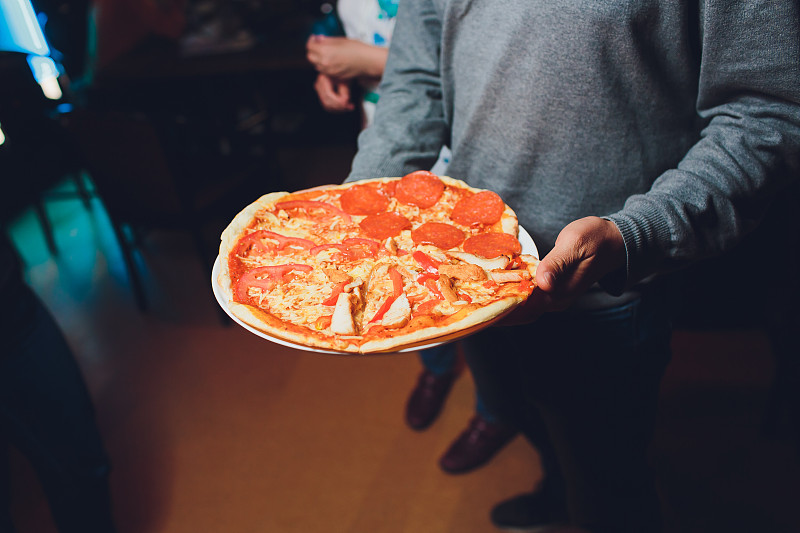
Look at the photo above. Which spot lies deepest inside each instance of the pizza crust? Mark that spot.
(444, 331)
(272, 326)
(232, 233)
(425, 330)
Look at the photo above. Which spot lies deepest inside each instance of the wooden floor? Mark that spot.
(212, 429)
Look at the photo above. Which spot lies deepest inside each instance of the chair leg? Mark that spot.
(130, 265)
(83, 192)
(47, 227)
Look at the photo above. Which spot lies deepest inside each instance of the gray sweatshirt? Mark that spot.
(675, 120)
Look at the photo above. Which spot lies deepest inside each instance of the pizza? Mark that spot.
(377, 265)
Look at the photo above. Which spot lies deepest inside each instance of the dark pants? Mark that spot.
(443, 359)
(583, 388)
(46, 413)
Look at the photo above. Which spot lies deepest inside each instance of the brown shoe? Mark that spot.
(476, 445)
(427, 398)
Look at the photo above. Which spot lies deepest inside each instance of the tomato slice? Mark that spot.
(425, 276)
(382, 310)
(312, 205)
(323, 322)
(252, 242)
(430, 283)
(397, 281)
(426, 307)
(397, 290)
(317, 249)
(257, 238)
(294, 242)
(359, 248)
(265, 277)
(428, 263)
(352, 248)
(337, 290)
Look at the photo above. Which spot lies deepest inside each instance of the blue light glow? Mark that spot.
(42, 68)
(20, 30)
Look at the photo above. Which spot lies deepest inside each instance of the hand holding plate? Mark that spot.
(585, 251)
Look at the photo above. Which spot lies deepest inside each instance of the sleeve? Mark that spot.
(749, 99)
(409, 127)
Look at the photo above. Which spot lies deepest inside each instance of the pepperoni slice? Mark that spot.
(485, 207)
(491, 245)
(384, 225)
(421, 188)
(364, 200)
(439, 234)
(389, 188)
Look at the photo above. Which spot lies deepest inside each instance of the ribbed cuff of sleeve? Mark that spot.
(646, 236)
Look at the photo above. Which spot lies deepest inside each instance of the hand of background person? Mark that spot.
(345, 59)
(585, 251)
(334, 95)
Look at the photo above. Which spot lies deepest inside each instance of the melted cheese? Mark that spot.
(299, 299)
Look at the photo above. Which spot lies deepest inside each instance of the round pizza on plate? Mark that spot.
(377, 265)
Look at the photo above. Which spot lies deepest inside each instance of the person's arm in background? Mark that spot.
(409, 127)
(339, 61)
(334, 95)
(749, 94)
(345, 59)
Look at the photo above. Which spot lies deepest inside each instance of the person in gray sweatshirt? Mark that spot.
(632, 138)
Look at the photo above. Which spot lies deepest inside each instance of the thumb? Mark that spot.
(551, 270)
(585, 250)
(545, 276)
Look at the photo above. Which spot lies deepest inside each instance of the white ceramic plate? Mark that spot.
(528, 247)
